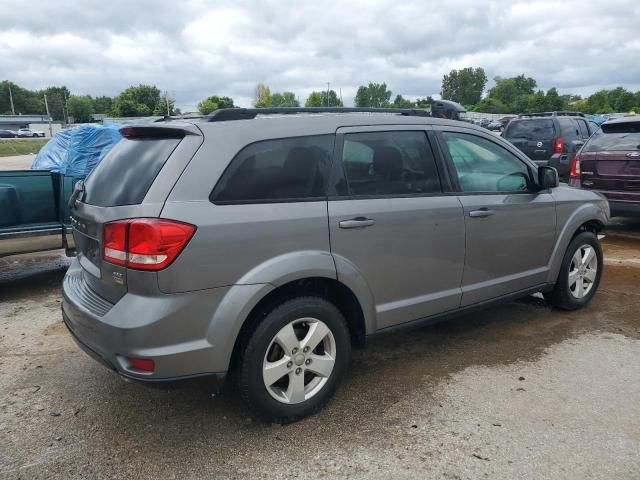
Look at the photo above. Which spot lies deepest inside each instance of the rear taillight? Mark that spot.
(145, 243)
(574, 171)
(558, 145)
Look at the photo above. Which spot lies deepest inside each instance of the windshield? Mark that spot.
(601, 141)
(535, 129)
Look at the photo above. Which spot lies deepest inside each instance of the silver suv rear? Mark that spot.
(269, 245)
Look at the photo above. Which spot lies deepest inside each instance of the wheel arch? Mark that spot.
(586, 218)
(329, 288)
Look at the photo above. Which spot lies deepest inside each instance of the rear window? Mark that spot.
(534, 129)
(286, 169)
(620, 136)
(125, 174)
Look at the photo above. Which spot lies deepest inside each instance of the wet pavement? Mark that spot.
(516, 391)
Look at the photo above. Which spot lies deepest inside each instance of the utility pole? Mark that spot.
(327, 94)
(340, 94)
(13, 110)
(46, 104)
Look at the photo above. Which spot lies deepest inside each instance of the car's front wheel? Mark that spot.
(579, 275)
(294, 360)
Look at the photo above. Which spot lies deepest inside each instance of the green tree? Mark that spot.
(137, 101)
(284, 99)
(56, 98)
(322, 99)
(538, 102)
(491, 105)
(424, 102)
(555, 101)
(314, 100)
(102, 105)
(262, 97)
(214, 102)
(80, 108)
(166, 104)
(624, 102)
(507, 90)
(374, 95)
(401, 102)
(464, 86)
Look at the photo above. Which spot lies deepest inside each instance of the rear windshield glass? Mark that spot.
(124, 176)
(601, 141)
(534, 129)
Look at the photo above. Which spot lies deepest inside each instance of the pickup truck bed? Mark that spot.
(34, 212)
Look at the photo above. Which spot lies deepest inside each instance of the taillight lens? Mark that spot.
(145, 243)
(574, 172)
(142, 364)
(558, 146)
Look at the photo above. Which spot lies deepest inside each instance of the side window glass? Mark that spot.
(277, 170)
(483, 166)
(584, 130)
(389, 163)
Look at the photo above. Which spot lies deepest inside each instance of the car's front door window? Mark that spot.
(483, 166)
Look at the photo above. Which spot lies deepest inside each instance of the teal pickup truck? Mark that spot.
(34, 211)
(34, 204)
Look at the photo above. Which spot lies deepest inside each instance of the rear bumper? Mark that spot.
(173, 330)
(562, 163)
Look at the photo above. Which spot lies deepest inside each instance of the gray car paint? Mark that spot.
(188, 316)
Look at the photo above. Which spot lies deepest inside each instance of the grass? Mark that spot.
(10, 147)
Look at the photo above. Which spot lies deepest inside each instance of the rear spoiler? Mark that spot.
(157, 131)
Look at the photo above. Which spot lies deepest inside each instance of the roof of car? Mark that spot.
(627, 119)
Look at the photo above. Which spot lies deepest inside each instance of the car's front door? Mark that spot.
(390, 224)
(510, 225)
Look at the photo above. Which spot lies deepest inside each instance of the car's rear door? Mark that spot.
(132, 181)
(510, 225)
(535, 137)
(392, 226)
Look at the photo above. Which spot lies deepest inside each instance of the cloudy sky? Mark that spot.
(197, 48)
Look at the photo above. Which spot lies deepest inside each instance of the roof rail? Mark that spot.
(558, 113)
(225, 114)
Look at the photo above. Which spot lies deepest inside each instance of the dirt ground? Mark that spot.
(16, 162)
(516, 391)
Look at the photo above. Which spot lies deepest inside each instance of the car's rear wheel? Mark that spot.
(294, 360)
(579, 275)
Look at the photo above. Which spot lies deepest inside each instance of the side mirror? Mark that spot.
(548, 177)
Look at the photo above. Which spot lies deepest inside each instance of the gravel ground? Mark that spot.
(16, 162)
(517, 391)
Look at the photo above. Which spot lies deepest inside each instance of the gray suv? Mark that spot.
(268, 245)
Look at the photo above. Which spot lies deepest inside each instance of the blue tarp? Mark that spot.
(599, 119)
(76, 151)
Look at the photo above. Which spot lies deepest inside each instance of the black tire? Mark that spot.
(561, 296)
(250, 372)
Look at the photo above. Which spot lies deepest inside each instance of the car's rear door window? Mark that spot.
(389, 163)
(126, 173)
(615, 138)
(287, 169)
(531, 129)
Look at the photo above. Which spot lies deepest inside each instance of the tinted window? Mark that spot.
(534, 129)
(125, 174)
(569, 127)
(284, 169)
(389, 163)
(584, 131)
(483, 166)
(593, 127)
(621, 138)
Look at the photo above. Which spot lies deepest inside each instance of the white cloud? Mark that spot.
(198, 48)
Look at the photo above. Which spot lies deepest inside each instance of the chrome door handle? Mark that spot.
(481, 213)
(358, 222)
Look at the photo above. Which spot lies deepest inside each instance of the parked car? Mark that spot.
(27, 132)
(34, 204)
(609, 163)
(495, 126)
(549, 138)
(8, 134)
(270, 245)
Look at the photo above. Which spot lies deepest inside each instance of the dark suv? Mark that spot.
(610, 163)
(550, 138)
(268, 244)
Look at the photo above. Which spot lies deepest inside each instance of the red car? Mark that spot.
(610, 163)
